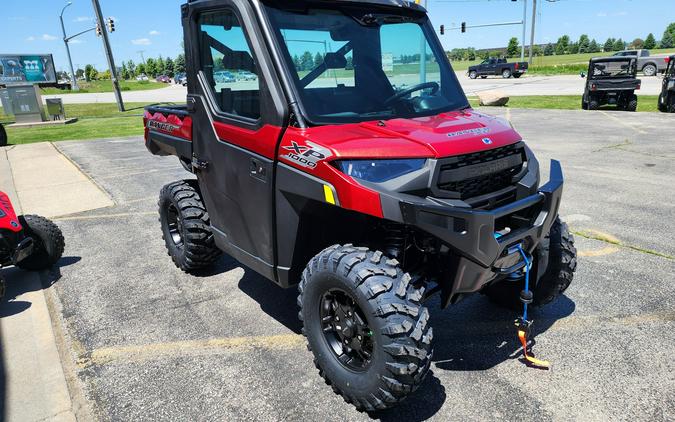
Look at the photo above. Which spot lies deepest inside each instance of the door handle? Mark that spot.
(258, 170)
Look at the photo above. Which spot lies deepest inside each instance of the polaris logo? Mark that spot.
(487, 141)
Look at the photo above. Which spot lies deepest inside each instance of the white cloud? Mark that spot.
(622, 13)
(154, 32)
(47, 37)
(76, 41)
(31, 38)
(602, 15)
(141, 41)
(83, 19)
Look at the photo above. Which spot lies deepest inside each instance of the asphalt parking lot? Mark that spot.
(144, 341)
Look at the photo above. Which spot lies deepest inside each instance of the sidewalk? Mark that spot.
(40, 180)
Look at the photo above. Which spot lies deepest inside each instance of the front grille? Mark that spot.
(481, 173)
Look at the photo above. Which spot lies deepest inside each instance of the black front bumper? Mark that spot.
(470, 234)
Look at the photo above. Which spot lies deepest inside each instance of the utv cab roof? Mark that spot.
(382, 3)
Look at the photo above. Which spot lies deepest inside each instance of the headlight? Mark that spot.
(379, 171)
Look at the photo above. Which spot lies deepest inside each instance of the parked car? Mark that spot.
(667, 96)
(179, 78)
(613, 81)
(224, 77)
(3, 136)
(247, 76)
(501, 67)
(142, 77)
(648, 64)
(163, 79)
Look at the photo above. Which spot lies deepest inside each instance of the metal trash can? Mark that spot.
(55, 109)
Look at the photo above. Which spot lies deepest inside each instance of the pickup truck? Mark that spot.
(497, 67)
(648, 64)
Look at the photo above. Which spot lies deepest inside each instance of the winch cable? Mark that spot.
(523, 324)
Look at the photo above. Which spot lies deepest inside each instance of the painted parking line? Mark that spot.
(105, 216)
(613, 241)
(191, 347)
(622, 123)
(155, 351)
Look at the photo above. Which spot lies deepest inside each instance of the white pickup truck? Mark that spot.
(648, 64)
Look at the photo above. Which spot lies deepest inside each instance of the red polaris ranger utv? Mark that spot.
(353, 165)
(30, 242)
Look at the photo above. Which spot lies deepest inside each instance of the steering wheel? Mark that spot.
(402, 94)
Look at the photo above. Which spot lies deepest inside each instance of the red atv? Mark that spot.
(354, 166)
(30, 242)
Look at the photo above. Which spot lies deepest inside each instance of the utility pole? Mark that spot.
(109, 55)
(534, 21)
(423, 52)
(142, 57)
(74, 86)
(522, 50)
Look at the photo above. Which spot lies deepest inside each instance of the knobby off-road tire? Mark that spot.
(186, 227)
(593, 105)
(3, 136)
(48, 243)
(663, 107)
(562, 263)
(632, 104)
(400, 339)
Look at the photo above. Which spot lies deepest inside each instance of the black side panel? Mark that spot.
(162, 144)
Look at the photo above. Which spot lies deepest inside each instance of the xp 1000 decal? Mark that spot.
(308, 155)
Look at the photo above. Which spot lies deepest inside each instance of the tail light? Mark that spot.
(594, 87)
(667, 60)
(517, 66)
(639, 86)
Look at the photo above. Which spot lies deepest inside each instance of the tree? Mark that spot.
(105, 75)
(562, 46)
(650, 42)
(637, 43)
(306, 61)
(593, 47)
(169, 66)
(549, 50)
(151, 68)
(619, 45)
(573, 48)
(318, 59)
(179, 64)
(90, 73)
(132, 68)
(79, 73)
(512, 50)
(609, 45)
(125, 72)
(140, 69)
(160, 66)
(670, 30)
(668, 40)
(537, 51)
(584, 43)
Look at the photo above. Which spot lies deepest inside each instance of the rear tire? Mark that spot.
(649, 70)
(562, 263)
(663, 107)
(473, 74)
(483, 77)
(3, 136)
(48, 243)
(593, 105)
(517, 75)
(506, 73)
(186, 227)
(398, 340)
(632, 104)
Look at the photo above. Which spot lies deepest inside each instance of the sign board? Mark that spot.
(27, 69)
(388, 62)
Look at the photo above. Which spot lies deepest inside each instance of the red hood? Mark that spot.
(443, 135)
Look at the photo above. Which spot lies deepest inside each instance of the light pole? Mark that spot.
(75, 87)
(522, 50)
(423, 52)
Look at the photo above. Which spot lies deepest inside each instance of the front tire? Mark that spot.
(380, 350)
(663, 107)
(48, 243)
(186, 227)
(506, 73)
(473, 74)
(632, 104)
(562, 263)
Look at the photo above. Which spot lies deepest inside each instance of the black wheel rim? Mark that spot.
(175, 226)
(346, 330)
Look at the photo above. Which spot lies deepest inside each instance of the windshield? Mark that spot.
(613, 69)
(352, 65)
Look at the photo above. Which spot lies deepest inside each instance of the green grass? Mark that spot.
(94, 121)
(646, 103)
(106, 86)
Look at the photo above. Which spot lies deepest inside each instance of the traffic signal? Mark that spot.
(111, 25)
(99, 32)
(463, 27)
(442, 29)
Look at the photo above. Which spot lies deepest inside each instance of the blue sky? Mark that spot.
(32, 26)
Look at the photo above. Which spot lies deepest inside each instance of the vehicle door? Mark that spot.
(237, 126)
